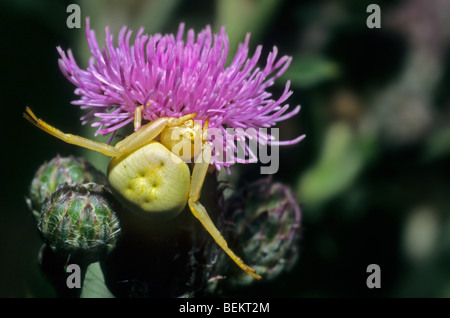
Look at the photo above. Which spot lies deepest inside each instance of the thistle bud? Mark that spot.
(56, 172)
(79, 219)
(264, 221)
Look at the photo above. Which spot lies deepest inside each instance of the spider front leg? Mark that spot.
(149, 132)
(198, 210)
(136, 140)
(69, 138)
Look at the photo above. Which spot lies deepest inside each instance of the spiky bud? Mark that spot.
(79, 219)
(58, 171)
(264, 221)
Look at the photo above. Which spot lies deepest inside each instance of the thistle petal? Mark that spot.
(172, 77)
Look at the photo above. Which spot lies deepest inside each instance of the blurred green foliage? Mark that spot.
(310, 71)
(371, 175)
(341, 160)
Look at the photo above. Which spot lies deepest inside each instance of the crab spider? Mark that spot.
(149, 177)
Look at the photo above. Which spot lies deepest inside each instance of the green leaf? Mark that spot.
(243, 16)
(94, 283)
(307, 71)
(343, 156)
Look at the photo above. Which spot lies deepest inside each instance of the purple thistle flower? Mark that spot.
(172, 77)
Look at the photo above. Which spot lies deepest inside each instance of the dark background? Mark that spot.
(371, 175)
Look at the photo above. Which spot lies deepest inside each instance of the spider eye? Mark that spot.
(184, 141)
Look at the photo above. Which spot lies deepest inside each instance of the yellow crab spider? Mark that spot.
(149, 177)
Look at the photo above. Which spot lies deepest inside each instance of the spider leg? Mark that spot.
(69, 138)
(138, 117)
(148, 132)
(131, 143)
(198, 210)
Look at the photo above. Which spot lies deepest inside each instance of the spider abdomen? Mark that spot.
(151, 181)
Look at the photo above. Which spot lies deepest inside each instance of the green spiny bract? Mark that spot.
(79, 219)
(264, 220)
(58, 171)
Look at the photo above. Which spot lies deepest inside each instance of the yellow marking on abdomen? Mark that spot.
(151, 181)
